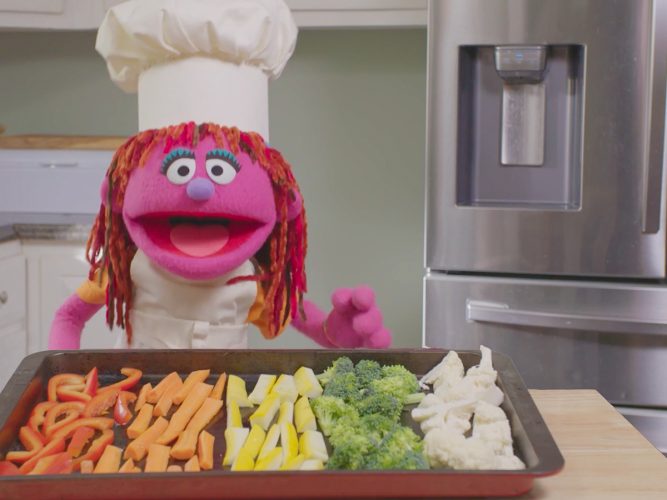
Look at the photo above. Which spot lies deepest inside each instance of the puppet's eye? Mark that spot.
(181, 170)
(220, 170)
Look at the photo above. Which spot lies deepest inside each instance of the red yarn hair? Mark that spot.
(281, 259)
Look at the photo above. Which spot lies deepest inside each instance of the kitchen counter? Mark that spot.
(61, 142)
(39, 226)
(605, 456)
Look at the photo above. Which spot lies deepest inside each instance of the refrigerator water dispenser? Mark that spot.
(519, 126)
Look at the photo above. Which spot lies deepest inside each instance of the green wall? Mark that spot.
(349, 114)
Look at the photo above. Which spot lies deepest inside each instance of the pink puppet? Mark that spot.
(202, 231)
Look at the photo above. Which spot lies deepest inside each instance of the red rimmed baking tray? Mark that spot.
(532, 440)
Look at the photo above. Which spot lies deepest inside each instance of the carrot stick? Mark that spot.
(205, 414)
(141, 399)
(181, 417)
(192, 465)
(137, 449)
(128, 466)
(155, 394)
(193, 379)
(205, 450)
(219, 386)
(87, 467)
(175, 468)
(185, 445)
(109, 461)
(141, 421)
(157, 459)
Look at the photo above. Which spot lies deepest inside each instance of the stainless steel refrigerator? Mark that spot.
(545, 214)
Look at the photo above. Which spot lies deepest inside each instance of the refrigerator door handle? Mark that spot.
(655, 126)
(503, 314)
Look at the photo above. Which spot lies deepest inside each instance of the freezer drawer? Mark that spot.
(560, 334)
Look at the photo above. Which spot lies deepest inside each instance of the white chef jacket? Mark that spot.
(171, 312)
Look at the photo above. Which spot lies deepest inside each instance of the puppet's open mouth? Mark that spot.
(200, 235)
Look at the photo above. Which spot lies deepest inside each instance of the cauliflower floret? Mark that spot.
(486, 413)
(444, 447)
(459, 414)
(479, 383)
(496, 435)
(445, 417)
(448, 372)
(490, 425)
(429, 400)
(435, 422)
(509, 463)
(456, 415)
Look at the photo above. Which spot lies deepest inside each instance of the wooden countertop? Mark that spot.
(605, 456)
(60, 142)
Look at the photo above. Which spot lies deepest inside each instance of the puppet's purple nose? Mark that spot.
(200, 189)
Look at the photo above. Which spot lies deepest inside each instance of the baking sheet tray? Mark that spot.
(532, 441)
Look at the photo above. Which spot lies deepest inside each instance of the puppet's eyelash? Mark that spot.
(228, 156)
(174, 155)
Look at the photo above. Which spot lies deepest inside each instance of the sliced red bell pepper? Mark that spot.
(99, 423)
(101, 402)
(91, 382)
(79, 440)
(71, 412)
(122, 413)
(62, 379)
(8, 469)
(30, 438)
(60, 463)
(96, 448)
(133, 376)
(32, 441)
(65, 393)
(51, 448)
(38, 413)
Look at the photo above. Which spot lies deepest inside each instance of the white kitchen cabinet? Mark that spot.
(358, 13)
(49, 14)
(88, 14)
(12, 349)
(13, 336)
(55, 271)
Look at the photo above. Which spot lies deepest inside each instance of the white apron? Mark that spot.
(170, 312)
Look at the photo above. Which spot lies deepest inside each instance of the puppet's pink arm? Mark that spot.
(68, 322)
(355, 321)
(312, 325)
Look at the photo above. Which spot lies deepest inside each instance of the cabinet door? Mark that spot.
(60, 276)
(12, 349)
(12, 290)
(48, 14)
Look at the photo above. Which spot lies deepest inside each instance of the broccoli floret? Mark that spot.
(366, 371)
(400, 449)
(381, 403)
(349, 451)
(360, 410)
(329, 410)
(399, 382)
(377, 426)
(344, 427)
(339, 366)
(344, 386)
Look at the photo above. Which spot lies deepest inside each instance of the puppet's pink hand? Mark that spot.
(355, 320)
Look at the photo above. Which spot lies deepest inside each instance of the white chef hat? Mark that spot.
(198, 60)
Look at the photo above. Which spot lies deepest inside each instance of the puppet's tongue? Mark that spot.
(199, 240)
